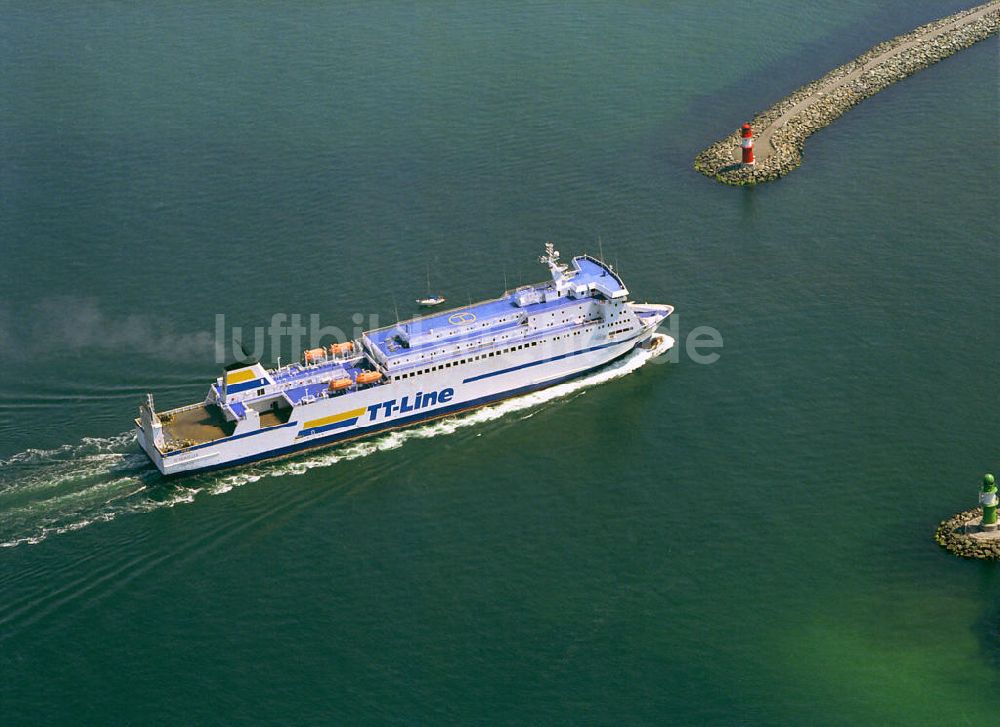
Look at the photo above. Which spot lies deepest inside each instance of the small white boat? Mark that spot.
(431, 300)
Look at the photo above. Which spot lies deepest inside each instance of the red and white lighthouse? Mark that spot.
(746, 144)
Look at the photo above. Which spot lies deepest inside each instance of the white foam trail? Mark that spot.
(48, 469)
(55, 491)
(52, 491)
(87, 445)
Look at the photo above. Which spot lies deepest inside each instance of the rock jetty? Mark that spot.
(781, 130)
(960, 535)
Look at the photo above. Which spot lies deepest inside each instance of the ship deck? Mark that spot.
(206, 423)
(293, 379)
(195, 425)
(588, 271)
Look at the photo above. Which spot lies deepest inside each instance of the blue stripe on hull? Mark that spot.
(394, 424)
(246, 385)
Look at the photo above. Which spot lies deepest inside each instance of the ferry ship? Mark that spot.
(410, 372)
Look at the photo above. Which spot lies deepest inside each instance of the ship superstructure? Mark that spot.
(426, 367)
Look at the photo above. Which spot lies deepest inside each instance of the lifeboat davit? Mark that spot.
(368, 377)
(340, 384)
(339, 349)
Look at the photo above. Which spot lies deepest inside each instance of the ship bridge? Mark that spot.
(590, 274)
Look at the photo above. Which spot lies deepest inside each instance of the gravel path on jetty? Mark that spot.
(781, 131)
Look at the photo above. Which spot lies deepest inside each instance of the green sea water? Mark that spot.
(744, 542)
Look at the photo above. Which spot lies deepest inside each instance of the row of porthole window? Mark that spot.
(457, 348)
(465, 360)
(449, 364)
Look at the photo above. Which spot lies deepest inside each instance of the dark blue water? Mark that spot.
(746, 542)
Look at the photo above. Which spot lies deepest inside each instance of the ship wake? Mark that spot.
(55, 491)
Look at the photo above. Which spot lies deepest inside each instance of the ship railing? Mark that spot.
(164, 415)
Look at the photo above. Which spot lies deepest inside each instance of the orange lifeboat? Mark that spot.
(340, 384)
(339, 349)
(368, 377)
(312, 355)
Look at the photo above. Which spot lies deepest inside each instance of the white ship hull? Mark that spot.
(413, 371)
(396, 404)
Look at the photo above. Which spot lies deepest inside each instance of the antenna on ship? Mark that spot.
(395, 307)
(551, 258)
(600, 247)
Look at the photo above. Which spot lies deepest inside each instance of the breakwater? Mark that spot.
(961, 535)
(782, 129)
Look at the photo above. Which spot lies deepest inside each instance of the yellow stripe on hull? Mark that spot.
(353, 414)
